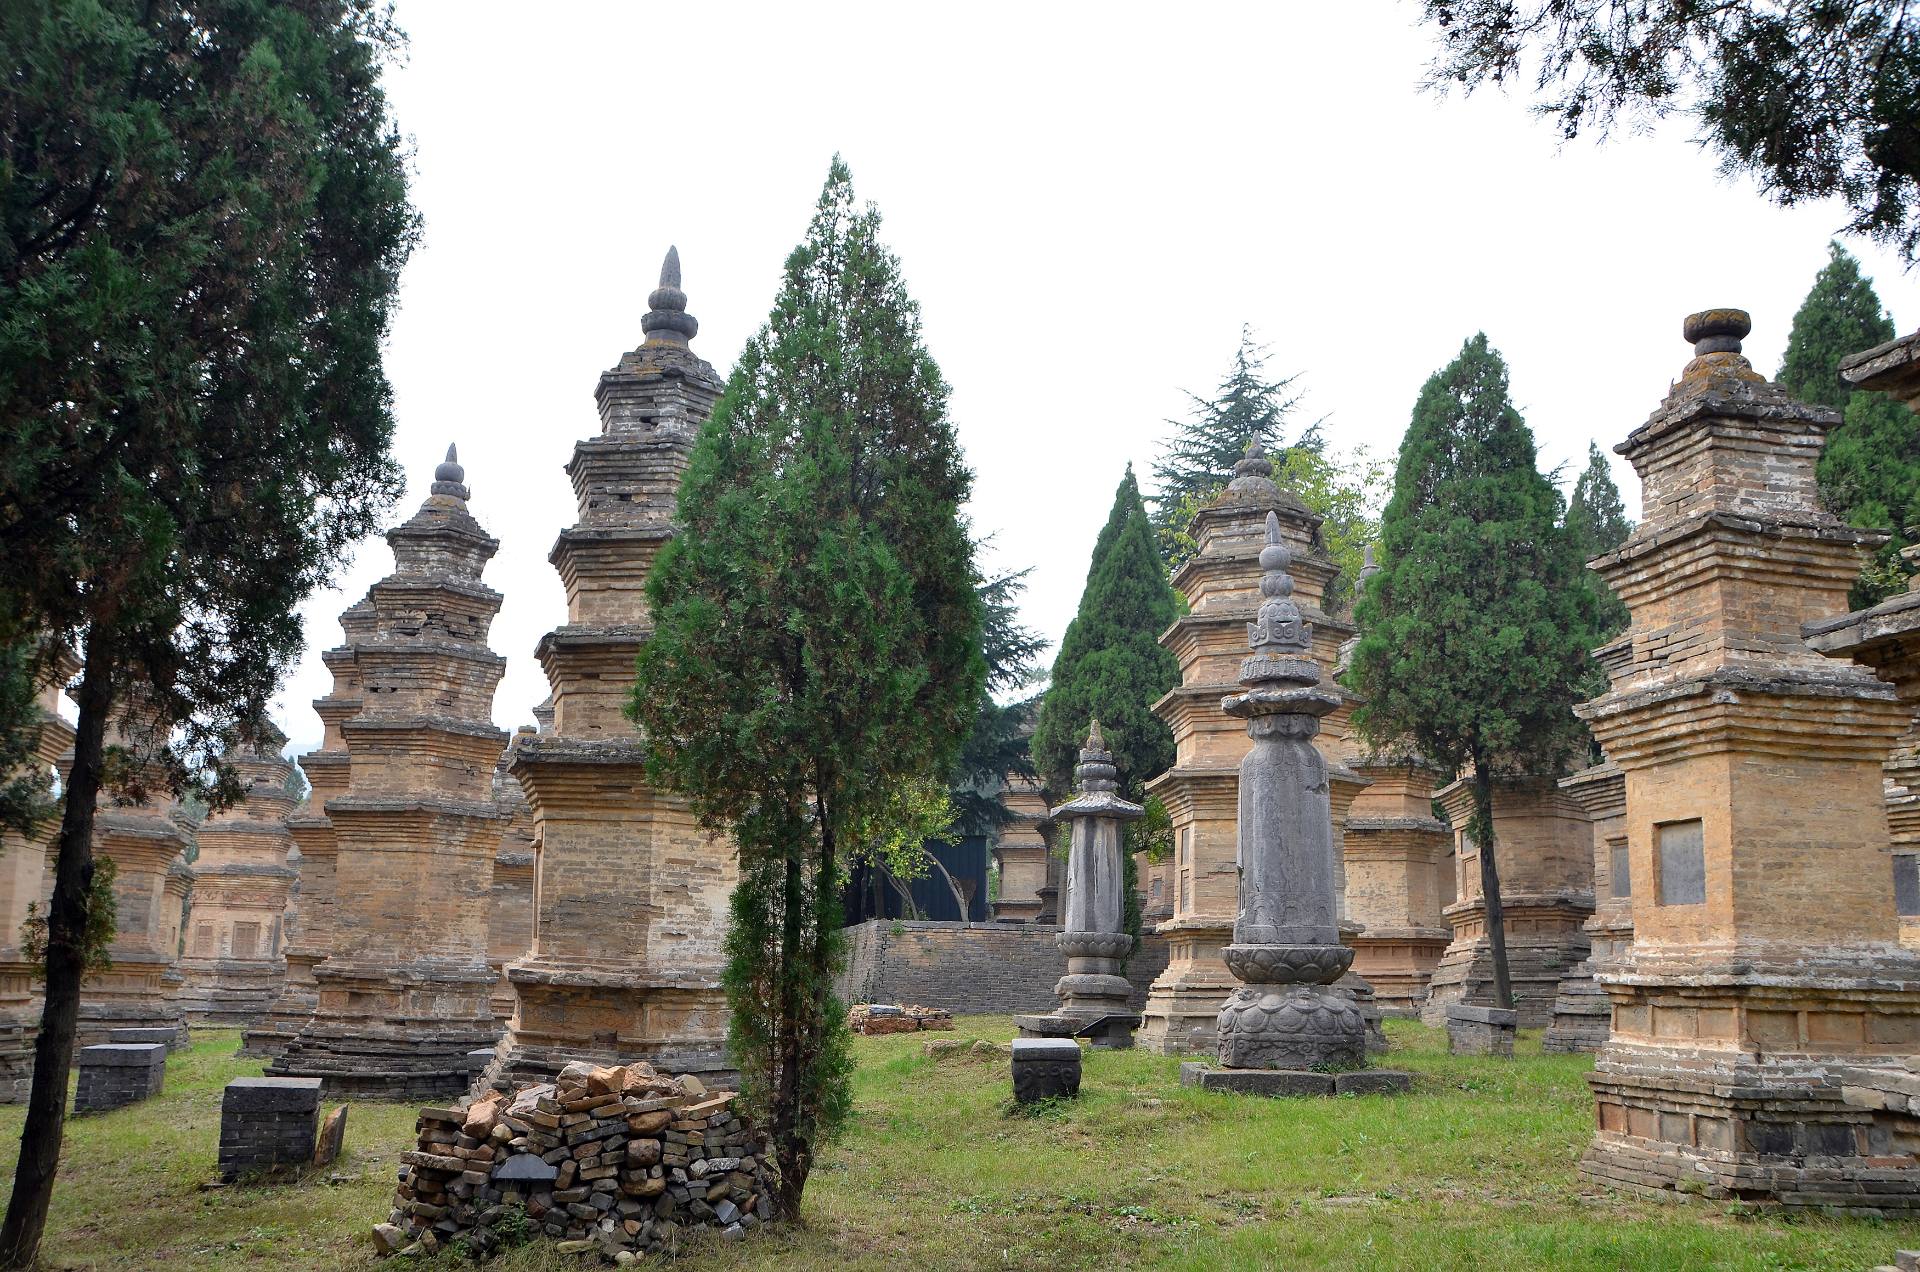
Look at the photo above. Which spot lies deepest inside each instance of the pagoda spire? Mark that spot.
(667, 320)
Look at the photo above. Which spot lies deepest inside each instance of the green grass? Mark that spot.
(1475, 1169)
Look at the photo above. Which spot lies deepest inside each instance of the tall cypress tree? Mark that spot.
(1870, 470)
(1598, 523)
(1476, 629)
(817, 642)
(1111, 664)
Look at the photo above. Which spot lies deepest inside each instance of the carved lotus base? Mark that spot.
(1113, 945)
(1295, 1027)
(1288, 964)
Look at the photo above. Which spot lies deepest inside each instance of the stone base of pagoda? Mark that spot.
(132, 994)
(288, 1013)
(229, 993)
(1184, 1002)
(1399, 963)
(1792, 1089)
(1285, 1082)
(1582, 1012)
(1545, 938)
(20, 1009)
(409, 1035)
(563, 1014)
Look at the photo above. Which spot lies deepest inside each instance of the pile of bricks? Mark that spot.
(880, 1018)
(618, 1161)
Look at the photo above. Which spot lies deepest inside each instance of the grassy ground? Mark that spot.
(1474, 1170)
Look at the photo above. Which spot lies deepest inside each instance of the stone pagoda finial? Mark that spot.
(1715, 335)
(450, 478)
(667, 320)
(1096, 771)
(1253, 474)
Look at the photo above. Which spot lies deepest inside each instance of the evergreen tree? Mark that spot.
(203, 217)
(817, 642)
(1870, 470)
(1198, 459)
(1598, 523)
(1476, 629)
(1111, 664)
(997, 744)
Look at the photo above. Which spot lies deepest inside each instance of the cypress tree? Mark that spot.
(1598, 523)
(817, 643)
(1870, 470)
(1111, 664)
(1477, 626)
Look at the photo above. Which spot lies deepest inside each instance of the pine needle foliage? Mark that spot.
(1476, 630)
(1598, 523)
(817, 641)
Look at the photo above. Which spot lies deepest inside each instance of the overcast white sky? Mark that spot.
(1088, 200)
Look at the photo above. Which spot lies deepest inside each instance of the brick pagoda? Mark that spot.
(510, 916)
(1221, 584)
(1021, 849)
(25, 880)
(1765, 1016)
(1581, 1011)
(1398, 877)
(234, 969)
(631, 896)
(403, 996)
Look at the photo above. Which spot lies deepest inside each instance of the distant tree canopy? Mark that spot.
(1597, 522)
(996, 746)
(1813, 98)
(1870, 469)
(1111, 663)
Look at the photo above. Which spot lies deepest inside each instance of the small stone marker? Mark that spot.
(114, 1074)
(1045, 1069)
(1480, 1031)
(173, 1039)
(332, 1138)
(268, 1124)
(525, 1168)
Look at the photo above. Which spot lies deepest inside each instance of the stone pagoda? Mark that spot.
(1021, 850)
(510, 921)
(309, 936)
(143, 838)
(1398, 879)
(631, 896)
(1765, 1016)
(1887, 639)
(1093, 994)
(1286, 1029)
(1221, 584)
(234, 968)
(1543, 845)
(403, 995)
(1582, 1013)
(26, 878)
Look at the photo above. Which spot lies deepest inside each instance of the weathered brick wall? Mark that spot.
(970, 969)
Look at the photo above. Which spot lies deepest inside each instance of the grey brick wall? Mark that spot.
(969, 969)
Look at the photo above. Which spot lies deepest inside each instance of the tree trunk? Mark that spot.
(26, 1219)
(789, 1148)
(1482, 831)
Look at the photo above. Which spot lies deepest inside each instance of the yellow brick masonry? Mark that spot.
(25, 880)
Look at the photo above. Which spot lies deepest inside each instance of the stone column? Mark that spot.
(310, 939)
(1395, 851)
(25, 881)
(1581, 1012)
(1093, 994)
(234, 967)
(1221, 586)
(1765, 1017)
(1545, 847)
(1021, 850)
(403, 995)
(631, 895)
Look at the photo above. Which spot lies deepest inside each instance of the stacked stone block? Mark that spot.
(233, 968)
(631, 897)
(619, 1161)
(115, 1074)
(404, 994)
(1543, 844)
(267, 1125)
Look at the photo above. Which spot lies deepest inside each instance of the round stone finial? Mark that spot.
(667, 319)
(1716, 330)
(1255, 462)
(450, 478)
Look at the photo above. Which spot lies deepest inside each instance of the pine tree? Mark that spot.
(1870, 470)
(997, 744)
(1476, 629)
(1598, 523)
(1111, 664)
(817, 642)
(203, 217)
(1198, 459)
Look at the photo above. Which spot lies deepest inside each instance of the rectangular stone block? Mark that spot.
(267, 1124)
(115, 1074)
(1272, 1082)
(1372, 1082)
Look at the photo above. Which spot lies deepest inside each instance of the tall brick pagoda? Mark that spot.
(1396, 854)
(234, 967)
(1221, 583)
(143, 840)
(510, 922)
(1022, 851)
(25, 881)
(403, 995)
(1765, 1017)
(631, 896)
(309, 934)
